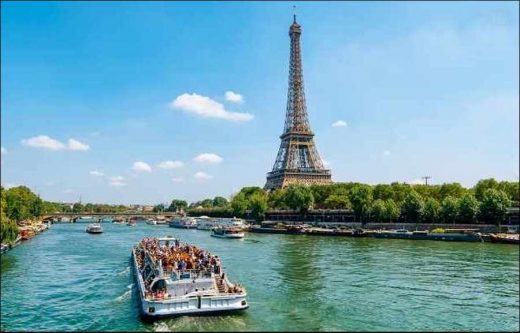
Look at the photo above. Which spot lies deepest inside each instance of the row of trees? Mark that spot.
(487, 201)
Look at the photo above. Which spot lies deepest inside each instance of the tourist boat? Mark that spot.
(94, 228)
(206, 223)
(183, 223)
(227, 232)
(161, 219)
(233, 222)
(118, 220)
(504, 238)
(328, 232)
(165, 291)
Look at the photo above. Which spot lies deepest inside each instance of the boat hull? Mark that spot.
(431, 236)
(228, 236)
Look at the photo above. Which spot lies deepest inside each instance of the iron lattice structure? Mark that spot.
(298, 160)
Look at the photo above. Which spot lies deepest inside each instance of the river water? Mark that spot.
(66, 279)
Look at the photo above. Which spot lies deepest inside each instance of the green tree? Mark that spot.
(177, 204)
(512, 189)
(258, 206)
(392, 211)
(159, 208)
(239, 204)
(449, 209)
(383, 192)
(468, 208)
(454, 190)
(413, 207)
(378, 212)
(299, 197)
(206, 203)
(432, 210)
(276, 199)
(337, 201)
(361, 198)
(78, 208)
(220, 202)
(8, 227)
(494, 206)
(22, 203)
(483, 185)
(399, 192)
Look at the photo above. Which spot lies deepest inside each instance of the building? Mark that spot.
(298, 160)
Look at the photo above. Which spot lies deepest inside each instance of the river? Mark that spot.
(66, 279)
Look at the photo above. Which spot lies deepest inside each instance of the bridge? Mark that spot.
(74, 217)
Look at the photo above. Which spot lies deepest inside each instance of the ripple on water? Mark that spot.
(65, 280)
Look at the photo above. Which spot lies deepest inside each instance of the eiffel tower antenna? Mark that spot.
(297, 160)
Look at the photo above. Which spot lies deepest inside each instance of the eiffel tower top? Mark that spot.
(296, 119)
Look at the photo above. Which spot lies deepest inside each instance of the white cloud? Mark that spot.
(46, 142)
(202, 176)
(170, 164)
(386, 152)
(142, 166)
(234, 97)
(339, 123)
(43, 141)
(178, 180)
(205, 107)
(96, 173)
(76, 145)
(208, 158)
(3, 151)
(117, 181)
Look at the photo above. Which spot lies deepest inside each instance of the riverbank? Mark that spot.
(26, 230)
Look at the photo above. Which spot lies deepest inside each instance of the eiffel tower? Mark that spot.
(298, 160)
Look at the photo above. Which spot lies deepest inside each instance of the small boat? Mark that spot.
(227, 232)
(151, 221)
(504, 238)
(119, 221)
(26, 234)
(131, 223)
(169, 289)
(94, 228)
(183, 223)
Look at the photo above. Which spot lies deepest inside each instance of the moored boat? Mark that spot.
(94, 228)
(504, 238)
(227, 232)
(183, 223)
(151, 221)
(461, 235)
(206, 223)
(26, 233)
(188, 280)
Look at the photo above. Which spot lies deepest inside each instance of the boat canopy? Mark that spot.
(166, 238)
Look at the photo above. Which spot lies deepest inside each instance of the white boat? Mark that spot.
(233, 222)
(151, 221)
(206, 223)
(227, 232)
(171, 289)
(94, 228)
(183, 223)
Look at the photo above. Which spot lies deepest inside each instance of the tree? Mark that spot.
(337, 201)
(22, 203)
(258, 206)
(378, 212)
(276, 199)
(206, 203)
(239, 204)
(299, 197)
(383, 192)
(392, 211)
(432, 210)
(468, 208)
(176, 205)
(399, 192)
(512, 189)
(220, 202)
(483, 185)
(449, 209)
(158, 208)
(361, 199)
(454, 190)
(8, 227)
(413, 207)
(494, 206)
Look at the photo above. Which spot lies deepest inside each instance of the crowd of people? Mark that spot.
(179, 256)
(176, 256)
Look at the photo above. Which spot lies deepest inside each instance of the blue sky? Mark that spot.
(89, 89)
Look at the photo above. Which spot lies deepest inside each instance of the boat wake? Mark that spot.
(125, 271)
(125, 296)
(187, 323)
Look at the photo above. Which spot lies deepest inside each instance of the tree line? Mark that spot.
(488, 201)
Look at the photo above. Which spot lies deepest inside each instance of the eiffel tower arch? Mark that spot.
(297, 160)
